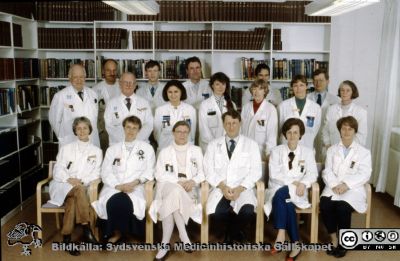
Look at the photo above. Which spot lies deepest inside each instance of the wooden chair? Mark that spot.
(259, 216)
(46, 207)
(149, 188)
(367, 213)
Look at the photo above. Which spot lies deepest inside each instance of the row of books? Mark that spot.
(47, 93)
(7, 99)
(27, 96)
(73, 11)
(6, 69)
(111, 38)
(277, 42)
(287, 92)
(248, 67)
(285, 69)
(290, 11)
(5, 36)
(183, 39)
(24, 9)
(242, 40)
(65, 38)
(58, 68)
(26, 68)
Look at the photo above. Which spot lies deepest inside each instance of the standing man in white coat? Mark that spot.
(106, 90)
(262, 72)
(124, 105)
(127, 166)
(347, 170)
(301, 107)
(260, 119)
(78, 164)
(152, 89)
(196, 88)
(232, 165)
(76, 100)
(324, 99)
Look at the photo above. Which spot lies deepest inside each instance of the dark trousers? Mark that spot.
(234, 222)
(335, 214)
(284, 213)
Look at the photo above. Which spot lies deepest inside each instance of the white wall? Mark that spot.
(355, 47)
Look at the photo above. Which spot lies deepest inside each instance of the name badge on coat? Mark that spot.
(310, 121)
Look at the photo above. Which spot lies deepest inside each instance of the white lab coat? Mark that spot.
(311, 117)
(304, 170)
(330, 133)
(197, 93)
(194, 171)
(73, 163)
(243, 169)
(157, 100)
(210, 121)
(262, 126)
(139, 164)
(329, 100)
(165, 118)
(66, 106)
(354, 171)
(273, 96)
(116, 112)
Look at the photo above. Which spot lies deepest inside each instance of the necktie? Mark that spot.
(319, 99)
(220, 102)
(128, 103)
(152, 91)
(231, 147)
(291, 157)
(80, 93)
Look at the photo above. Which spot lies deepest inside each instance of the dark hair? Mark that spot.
(193, 59)
(79, 120)
(109, 60)
(261, 66)
(233, 113)
(178, 85)
(287, 125)
(350, 121)
(132, 119)
(297, 78)
(181, 123)
(319, 71)
(223, 78)
(151, 64)
(259, 82)
(354, 89)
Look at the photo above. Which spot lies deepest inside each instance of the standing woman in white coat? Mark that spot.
(292, 169)
(260, 119)
(78, 164)
(304, 109)
(127, 166)
(179, 172)
(347, 170)
(175, 110)
(211, 109)
(347, 92)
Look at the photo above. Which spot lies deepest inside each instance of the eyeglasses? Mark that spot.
(181, 132)
(127, 83)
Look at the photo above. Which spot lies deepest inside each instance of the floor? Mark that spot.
(384, 215)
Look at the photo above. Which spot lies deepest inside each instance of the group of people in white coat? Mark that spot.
(233, 145)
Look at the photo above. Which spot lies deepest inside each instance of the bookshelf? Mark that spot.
(20, 121)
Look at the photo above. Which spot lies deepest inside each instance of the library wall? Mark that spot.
(355, 47)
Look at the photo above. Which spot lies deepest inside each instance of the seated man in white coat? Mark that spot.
(76, 100)
(127, 104)
(301, 107)
(232, 165)
(127, 166)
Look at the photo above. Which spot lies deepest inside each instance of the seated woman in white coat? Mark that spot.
(232, 165)
(211, 109)
(301, 107)
(127, 166)
(78, 164)
(260, 119)
(347, 92)
(292, 169)
(175, 110)
(347, 170)
(179, 172)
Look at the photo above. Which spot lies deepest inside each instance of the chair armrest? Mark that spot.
(260, 192)
(204, 190)
(369, 195)
(93, 190)
(315, 193)
(148, 190)
(39, 191)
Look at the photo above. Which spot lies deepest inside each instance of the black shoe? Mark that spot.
(73, 252)
(162, 258)
(331, 252)
(340, 252)
(239, 237)
(228, 239)
(88, 234)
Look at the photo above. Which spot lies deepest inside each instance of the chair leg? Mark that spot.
(204, 230)
(39, 223)
(149, 230)
(58, 221)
